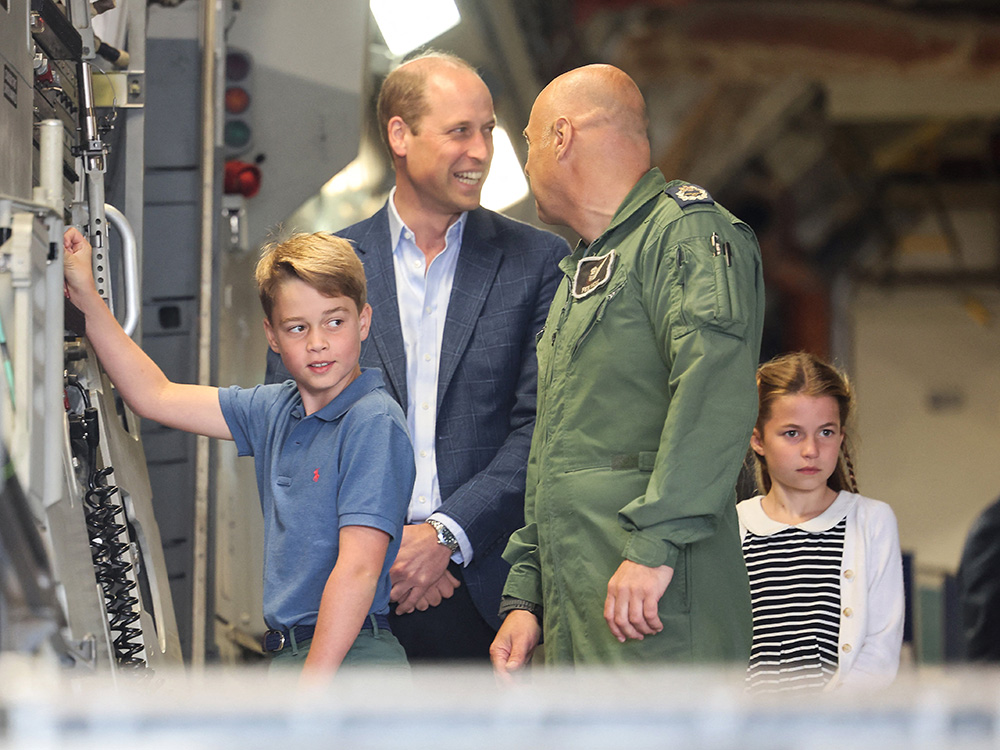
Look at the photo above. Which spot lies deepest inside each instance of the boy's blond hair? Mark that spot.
(324, 261)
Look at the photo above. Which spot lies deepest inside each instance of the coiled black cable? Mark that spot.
(101, 511)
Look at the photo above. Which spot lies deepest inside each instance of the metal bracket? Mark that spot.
(121, 89)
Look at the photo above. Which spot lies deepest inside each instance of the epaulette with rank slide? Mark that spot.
(687, 194)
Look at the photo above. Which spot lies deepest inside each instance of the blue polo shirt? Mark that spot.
(348, 464)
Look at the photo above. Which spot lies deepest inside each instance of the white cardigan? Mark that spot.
(871, 584)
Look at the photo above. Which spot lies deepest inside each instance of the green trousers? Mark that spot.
(374, 648)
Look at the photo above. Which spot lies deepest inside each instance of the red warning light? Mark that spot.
(241, 178)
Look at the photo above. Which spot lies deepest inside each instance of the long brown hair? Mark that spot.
(803, 374)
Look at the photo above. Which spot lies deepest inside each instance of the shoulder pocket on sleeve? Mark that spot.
(710, 289)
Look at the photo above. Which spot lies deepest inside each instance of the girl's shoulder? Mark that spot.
(753, 518)
(869, 510)
(749, 502)
(743, 507)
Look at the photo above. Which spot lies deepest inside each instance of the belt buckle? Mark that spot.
(281, 639)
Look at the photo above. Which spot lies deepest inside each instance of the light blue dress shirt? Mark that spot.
(422, 293)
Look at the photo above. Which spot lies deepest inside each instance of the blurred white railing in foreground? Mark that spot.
(655, 708)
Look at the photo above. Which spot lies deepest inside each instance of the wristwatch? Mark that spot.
(444, 534)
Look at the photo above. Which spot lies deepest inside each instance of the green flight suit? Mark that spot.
(646, 401)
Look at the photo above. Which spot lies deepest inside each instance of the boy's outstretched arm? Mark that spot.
(347, 597)
(193, 408)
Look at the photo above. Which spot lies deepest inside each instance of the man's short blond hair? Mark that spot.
(324, 261)
(404, 90)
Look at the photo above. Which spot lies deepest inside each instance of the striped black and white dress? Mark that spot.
(795, 592)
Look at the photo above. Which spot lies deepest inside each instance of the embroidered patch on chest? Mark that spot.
(593, 273)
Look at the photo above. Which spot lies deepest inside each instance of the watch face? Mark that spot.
(444, 535)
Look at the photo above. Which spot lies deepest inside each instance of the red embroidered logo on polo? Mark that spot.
(315, 475)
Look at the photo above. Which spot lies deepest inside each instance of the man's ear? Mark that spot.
(396, 132)
(562, 136)
(272, 340)
(756, 443)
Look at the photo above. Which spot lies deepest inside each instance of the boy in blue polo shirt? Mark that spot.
(333, 459)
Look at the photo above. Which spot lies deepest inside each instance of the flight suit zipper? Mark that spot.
(597, 318)
(541, 414)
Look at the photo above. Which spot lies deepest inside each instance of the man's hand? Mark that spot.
(420, 576)
(634, 593)
(441, 589)
(515, 642)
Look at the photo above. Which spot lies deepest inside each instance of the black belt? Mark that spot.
(275, 640)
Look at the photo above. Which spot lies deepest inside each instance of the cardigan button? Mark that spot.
(848, 612)
(846, 648)
(849, 575)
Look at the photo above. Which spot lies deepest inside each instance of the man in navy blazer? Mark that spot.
(466, 377)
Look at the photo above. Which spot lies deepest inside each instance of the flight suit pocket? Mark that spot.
(709, 289)
(598, 315)
(723, 296)
(677, 598)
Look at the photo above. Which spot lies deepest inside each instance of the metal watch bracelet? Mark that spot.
(444, 534)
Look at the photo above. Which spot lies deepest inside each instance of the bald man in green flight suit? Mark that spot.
(646, 401)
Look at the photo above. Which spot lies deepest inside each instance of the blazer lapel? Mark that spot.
(375, 251)
(475, 271)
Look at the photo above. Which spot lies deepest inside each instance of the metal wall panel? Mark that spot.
(16, 102)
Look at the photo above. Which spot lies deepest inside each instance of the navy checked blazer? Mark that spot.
(505, 279)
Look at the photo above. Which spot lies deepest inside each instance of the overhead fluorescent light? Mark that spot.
(506, 184)
(408, 24)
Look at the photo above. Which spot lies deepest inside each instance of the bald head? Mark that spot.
(598, 96)
(587, 147)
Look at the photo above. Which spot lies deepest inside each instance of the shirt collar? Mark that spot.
(762, 524)
(397, 227)
(369, 379)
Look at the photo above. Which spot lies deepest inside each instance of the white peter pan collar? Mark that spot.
(758, 522)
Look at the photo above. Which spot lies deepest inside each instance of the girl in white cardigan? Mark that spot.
(825, 570)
